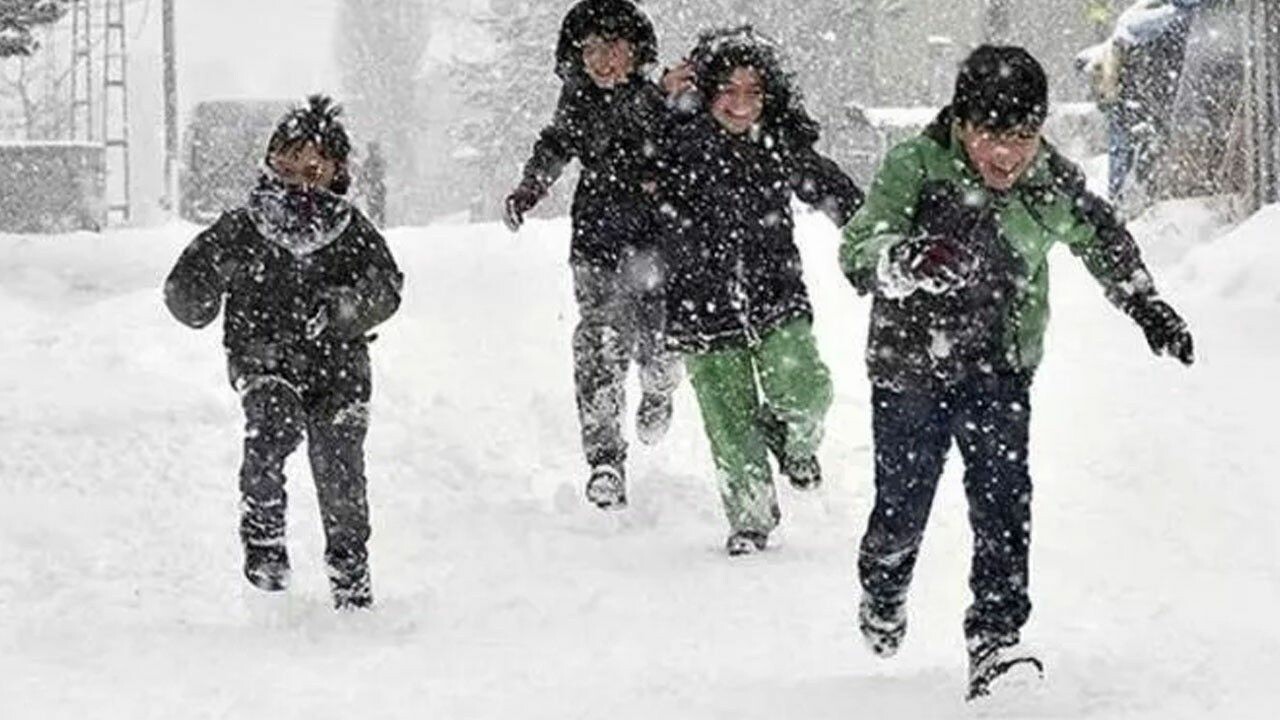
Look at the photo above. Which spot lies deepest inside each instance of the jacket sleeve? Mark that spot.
(885, 218)
(557, 145)
(819, 181)
(1103, 242)
(194, 289)
(375, 294)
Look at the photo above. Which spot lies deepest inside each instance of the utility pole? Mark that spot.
(82, 125)
(997, 25)
(170, 110)
(1262, 100)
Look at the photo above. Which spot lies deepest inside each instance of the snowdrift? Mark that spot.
(1243, 266)
(503, 595)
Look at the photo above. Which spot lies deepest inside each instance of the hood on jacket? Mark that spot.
(719, 52)
(608, 18)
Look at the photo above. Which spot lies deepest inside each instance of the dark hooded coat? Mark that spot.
(273, 288)
(614, 133)
(733, 268)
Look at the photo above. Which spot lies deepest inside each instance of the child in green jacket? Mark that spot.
(952, 244)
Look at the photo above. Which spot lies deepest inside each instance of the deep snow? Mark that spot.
(502, 595)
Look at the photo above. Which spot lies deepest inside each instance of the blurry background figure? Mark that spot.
(1134, 76)
(1205, 151)
(373, 185)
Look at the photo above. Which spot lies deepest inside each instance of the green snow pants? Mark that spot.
(785, 369)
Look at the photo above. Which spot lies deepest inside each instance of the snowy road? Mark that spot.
(1155, 570)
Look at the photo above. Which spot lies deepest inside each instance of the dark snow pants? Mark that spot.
(334, 419)
(989, 419)
(621, 318)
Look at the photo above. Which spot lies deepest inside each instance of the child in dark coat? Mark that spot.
(609, 117)
(737, 305)
(305, 277)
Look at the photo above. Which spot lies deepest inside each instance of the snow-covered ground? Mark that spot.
(502, 595)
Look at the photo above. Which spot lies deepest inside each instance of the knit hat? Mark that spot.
(318, 123)
(1002, 88)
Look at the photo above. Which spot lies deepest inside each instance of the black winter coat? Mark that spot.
(615, 134)
(733, 268)
(271, 294)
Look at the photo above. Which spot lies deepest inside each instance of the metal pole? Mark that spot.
(170, 110)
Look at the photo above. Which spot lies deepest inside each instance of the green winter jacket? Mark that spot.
(926, 185)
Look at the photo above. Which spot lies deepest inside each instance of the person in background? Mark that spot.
(375, 185)
(1135, 75)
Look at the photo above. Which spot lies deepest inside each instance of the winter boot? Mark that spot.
(883, 625)
(607, 488)
(997, 663)
(653, 418)
(266, 564)
(350, 585)
(266, 557)
(804, 472)
(746, 542)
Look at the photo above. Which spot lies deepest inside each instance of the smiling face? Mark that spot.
(739, 102)
(609, 61)
(1000, 157)
(304, 165)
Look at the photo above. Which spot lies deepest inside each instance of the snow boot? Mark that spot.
(883, 625)
(746, 542)
(607, 488)
(653, 418)
(804, 472)
(998, 664)
(266, 564)
(350, 586)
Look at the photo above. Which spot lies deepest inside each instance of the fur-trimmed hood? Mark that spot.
(719, 52)
(619, 18)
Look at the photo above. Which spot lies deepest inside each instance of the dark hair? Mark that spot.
(607, 18)
(1001, 87)
(318, 123)
(719, 52)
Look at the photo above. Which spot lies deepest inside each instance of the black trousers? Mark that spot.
(989, 419)
(332, 413)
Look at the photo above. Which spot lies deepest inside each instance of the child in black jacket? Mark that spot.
(610, 117)
(305, 277)
(737, 305)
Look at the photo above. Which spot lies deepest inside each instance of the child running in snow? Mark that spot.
(305, 278)
(953, 245)
(609, 116)
(737, 305)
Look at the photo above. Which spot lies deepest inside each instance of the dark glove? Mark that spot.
(519, 202)
(1166, 331)
(936, 262)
